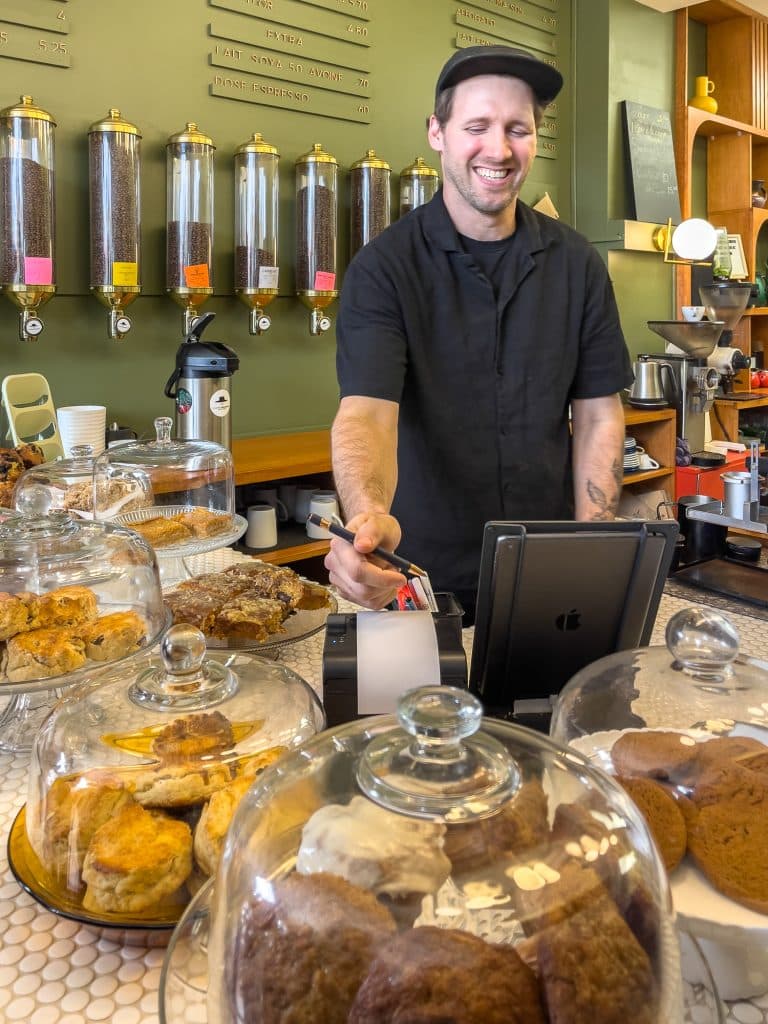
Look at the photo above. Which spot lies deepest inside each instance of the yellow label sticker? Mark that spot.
(125, 274)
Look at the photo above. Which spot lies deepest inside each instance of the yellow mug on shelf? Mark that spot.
(702, 97)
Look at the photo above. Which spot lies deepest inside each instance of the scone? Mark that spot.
(179, 785)
(14, 615)
(214, 822)
(113, 636)
(66, 606)
(135, 861)
(74, 809)
(192, 736)
(42, 654)
(161, 532)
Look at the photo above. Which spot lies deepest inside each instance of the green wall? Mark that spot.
(149, 58)
(622, 51)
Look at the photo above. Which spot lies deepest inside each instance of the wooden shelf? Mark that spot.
(288, 550)
(655, 432)
(281, 456)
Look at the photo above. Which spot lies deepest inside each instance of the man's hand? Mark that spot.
(359, 576)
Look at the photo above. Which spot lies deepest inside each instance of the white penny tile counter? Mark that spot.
(56, 971)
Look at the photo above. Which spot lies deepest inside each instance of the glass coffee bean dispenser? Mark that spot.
(256, 223)
(189, 203)
(316, 234)
(114, 171)
(418, 183)
(27, 211)
(370, 201)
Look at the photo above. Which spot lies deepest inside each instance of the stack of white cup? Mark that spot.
(82, 424)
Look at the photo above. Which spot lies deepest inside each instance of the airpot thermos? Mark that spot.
(200, 386)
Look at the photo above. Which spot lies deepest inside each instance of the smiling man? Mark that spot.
(480, 353)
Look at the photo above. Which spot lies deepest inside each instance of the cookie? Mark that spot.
(663, 815)
(659, 755)
(729, 842)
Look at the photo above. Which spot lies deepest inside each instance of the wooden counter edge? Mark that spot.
(281, 456)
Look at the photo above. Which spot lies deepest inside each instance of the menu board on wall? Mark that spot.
(304, 55)
(650, 157)
(35, 31)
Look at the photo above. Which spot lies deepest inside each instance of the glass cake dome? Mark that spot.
(443, 866)
(135, 776)
(684, 728)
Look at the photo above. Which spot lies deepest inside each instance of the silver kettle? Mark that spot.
(648, 388)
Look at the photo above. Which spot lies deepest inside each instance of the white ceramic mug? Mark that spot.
(287, 494)
(325, 504)
(268, 496)
(304, 494)
(82, 424)
(646, 462)
(262, 527)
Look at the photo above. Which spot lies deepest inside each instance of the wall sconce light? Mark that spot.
(691, 242)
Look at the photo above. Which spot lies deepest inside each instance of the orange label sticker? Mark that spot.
(324, 281)
(197, 276)
(125, 274)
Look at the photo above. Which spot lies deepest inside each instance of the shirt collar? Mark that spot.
(439, 228)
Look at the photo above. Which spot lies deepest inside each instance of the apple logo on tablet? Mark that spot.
(568, 620)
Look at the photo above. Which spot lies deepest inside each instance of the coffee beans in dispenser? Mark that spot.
(114, 176)
(27, 211)
(256, 222)
(189, 202)
(316, 234)
(370, 202)
(418, 183)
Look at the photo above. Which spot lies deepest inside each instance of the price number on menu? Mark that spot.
(51, 46)
(358, 30)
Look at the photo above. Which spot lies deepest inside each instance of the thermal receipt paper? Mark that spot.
(396, 651)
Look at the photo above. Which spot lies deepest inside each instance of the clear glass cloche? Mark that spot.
(74, 595)
(684, 729)
(135, 777)
(85, 486)
(436, 865)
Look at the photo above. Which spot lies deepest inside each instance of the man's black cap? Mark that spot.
(545, 81)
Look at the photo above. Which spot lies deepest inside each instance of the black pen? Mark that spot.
(339, 531)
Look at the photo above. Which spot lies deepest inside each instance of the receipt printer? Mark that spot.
(342, 673)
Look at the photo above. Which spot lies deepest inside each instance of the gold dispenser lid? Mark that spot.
(418, 169)
(316, 155)
(26, 108)
(114, 122)
(256, 144)
(370, 160)
(191, 134)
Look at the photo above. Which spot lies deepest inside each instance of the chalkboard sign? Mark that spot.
(651, 163)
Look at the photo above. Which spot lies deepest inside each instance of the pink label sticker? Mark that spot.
(38, 270)
(324, 281)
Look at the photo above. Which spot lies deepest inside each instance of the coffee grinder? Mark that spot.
(200, 386)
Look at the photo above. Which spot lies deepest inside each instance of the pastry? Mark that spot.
(247, 617)
(428, 975)
(391, 855)
(519, 826)
(214, 822)
(42, 654)
(113, 636)
(660, 755)
(301, 954)
(591, 968)
(179, 785)
(135, 861)
(215, 584)
(663, 815)
(193, 736)
(162, 531)
(278, 582)
(66, 606)
(203, 523)
(194, 607)
(110, 495)
(14, 615)
(73, 809)
(729, 842)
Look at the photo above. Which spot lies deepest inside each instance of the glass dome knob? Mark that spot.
(163, 427)
(183, 650)
(439, 717)
(703, 641)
